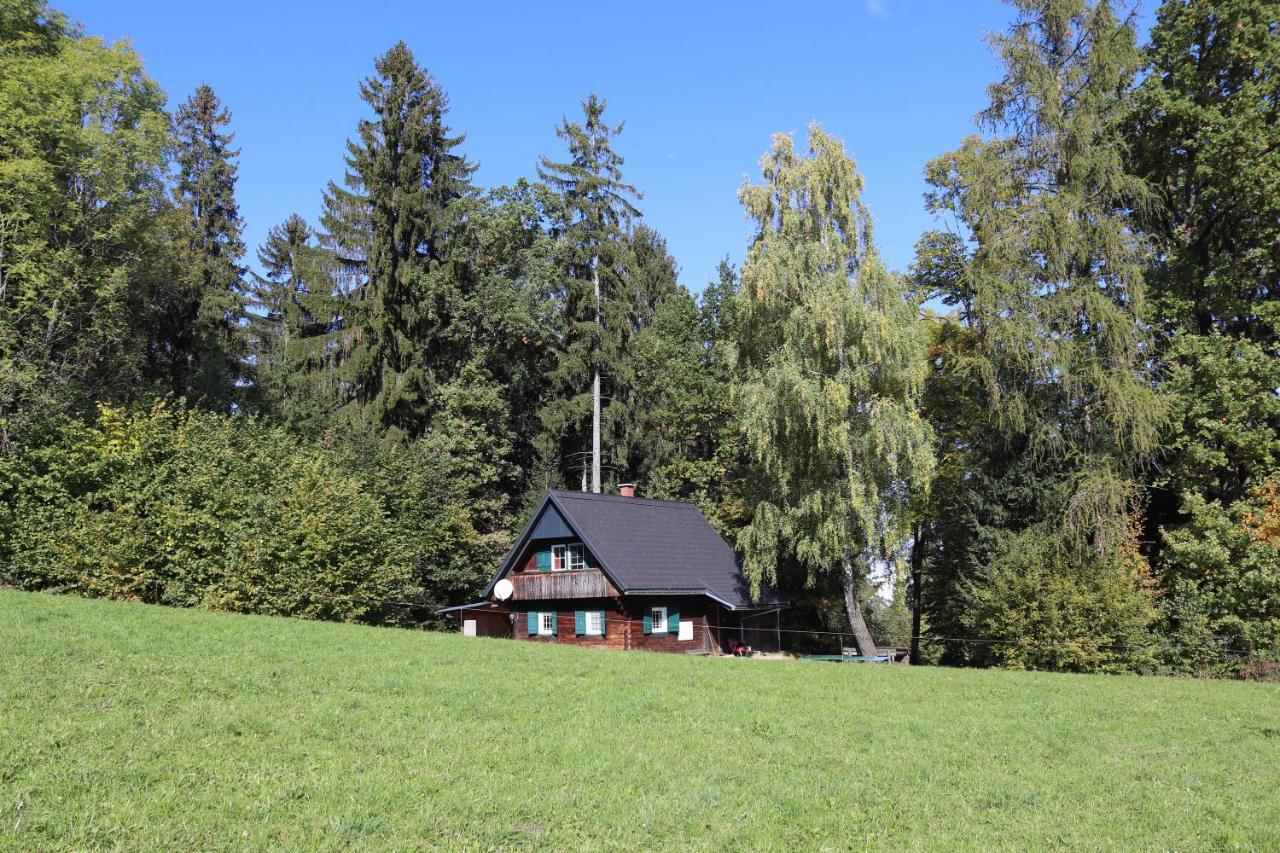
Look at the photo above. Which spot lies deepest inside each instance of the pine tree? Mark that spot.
(202, 323)
(598, 209)
(831, 370)
(388, 229)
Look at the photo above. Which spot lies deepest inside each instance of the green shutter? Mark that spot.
(580, 622)
(544, 561)
(555, 624)
(673, 621)
(533, 623)
(602, 623)
(648, 621)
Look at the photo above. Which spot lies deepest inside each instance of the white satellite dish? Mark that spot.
(503, 589)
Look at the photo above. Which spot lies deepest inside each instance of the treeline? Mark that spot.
(1059, 429)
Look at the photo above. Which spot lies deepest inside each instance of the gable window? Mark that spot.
(546, 624)
(570, 557)
(658, 619)
(595, 623)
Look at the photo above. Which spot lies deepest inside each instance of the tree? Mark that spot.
(831, 372)
(598, 208)
(388, 230)
(200, 325)
(295, 317)
(1205, 132)
(1047, 270)
(83, 219)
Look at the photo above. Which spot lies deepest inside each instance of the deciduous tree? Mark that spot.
(831, 372)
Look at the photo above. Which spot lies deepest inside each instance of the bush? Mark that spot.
(1040, 605)
(200, 510)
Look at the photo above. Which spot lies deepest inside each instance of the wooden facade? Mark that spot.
(624, 623)
(713, 625)
(661, 554)
(542, 586)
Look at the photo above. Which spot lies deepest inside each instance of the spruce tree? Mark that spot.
(388, 229)
(831, 370)
(291, 327)
(202, 322)
(1205, 133)
(598, 208)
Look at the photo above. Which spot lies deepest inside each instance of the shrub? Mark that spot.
(1042, 606)
(201, 510)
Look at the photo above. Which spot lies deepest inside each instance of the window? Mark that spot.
(571, 557)
(546, 624)
(658, 617)
(595, 623)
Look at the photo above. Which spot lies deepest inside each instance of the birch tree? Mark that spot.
(831, 369)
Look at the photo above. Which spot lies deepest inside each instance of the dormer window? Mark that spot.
(570, 557)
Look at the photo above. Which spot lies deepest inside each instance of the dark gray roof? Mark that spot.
(649, 546)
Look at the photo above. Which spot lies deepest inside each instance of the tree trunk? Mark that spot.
(595, 387)
(852, 584)
(917, 576)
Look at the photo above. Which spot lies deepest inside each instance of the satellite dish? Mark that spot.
(503, 589)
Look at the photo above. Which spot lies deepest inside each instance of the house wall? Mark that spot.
(489, 624)
(624, 623)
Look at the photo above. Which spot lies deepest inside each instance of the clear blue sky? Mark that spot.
(701, 87)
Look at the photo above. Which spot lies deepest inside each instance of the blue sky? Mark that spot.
(701, 87)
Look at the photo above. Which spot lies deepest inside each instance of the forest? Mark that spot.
(1056, 433)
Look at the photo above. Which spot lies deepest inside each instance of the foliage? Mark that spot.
(1034, 607)
(596, 307)
(1046, 270)
(388, 229)
(1205, 130)
(197, 510)
(831, 371)
(198, 340)
(1223, 576)
(83, 222)
(1205, 135)
(294, 316)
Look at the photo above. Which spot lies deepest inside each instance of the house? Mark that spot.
(622, 572)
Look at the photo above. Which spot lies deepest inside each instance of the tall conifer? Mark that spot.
(202, 322)
(388, 229)
(598, 209)
(1048, 270)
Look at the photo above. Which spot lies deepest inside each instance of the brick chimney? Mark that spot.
(627, 490)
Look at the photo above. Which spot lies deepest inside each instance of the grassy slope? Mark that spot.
(138, 726)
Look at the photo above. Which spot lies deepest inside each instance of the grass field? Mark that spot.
(134, 726)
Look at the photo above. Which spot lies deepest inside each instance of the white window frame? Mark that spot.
(657, 626)
(570, 556)
(594, 623)
(546, 623)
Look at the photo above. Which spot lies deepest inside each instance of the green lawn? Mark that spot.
(135, 726)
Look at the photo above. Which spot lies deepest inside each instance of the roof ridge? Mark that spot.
(594, 496)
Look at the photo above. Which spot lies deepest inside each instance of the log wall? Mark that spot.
(624, 623)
